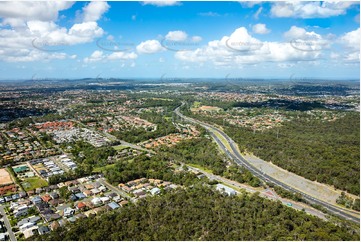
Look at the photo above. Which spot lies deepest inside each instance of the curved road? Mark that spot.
(235, 155)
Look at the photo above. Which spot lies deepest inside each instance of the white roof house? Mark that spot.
(105, 199)
(96, 201)
(226, 189)
(26, 226)
(155, 191)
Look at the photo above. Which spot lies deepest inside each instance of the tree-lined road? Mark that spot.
(267, 193)
(230, 148)
(7, 224)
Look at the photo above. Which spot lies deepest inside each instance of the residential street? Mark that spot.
(7, 224)
(113, 189)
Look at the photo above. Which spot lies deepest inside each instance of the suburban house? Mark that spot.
(225, 189)
(68, 212)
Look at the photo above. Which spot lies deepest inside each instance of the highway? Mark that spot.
(236, 156)
(267, 193)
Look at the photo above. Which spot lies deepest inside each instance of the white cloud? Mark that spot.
(351, 39)
(256, 15)
(17, 13)
(196, 38)
(351, 42)
(27, 55)
(298, 9)
(94, 10)
(95, 56)
(149, 47)
(240, 48)
(33, 34)
(249, 4)
(176, 35)
(352, 57)
(122, 56)
(300, 33)
(87, 30)
(260, 29)
(163, 3)
(100, 56)
(209, 14)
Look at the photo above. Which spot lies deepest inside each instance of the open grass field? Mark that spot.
(100, 169)
(201, 168)
(119, 147)
(209, 108)
(206, 108)
(33, 183)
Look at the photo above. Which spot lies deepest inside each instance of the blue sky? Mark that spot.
(179, 39)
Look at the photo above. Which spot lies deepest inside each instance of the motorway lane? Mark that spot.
(240, 160)
(267, 193)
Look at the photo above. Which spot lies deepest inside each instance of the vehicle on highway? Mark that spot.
(239, 159)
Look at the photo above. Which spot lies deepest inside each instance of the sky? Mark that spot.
(171, 39)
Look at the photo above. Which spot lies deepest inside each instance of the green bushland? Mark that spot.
(323, 151)
(201, 213)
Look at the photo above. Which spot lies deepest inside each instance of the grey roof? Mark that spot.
(34, 219)
(50, 217)
(80, 195)
(113, 205)
(43, 230)
(36, 199)
(54, 195)
(23, 221)
(27, 220)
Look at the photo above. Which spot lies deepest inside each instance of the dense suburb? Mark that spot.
(200, 213)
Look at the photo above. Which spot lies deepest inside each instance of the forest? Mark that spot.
(327, 152)
(198, 151)
(204, 152)
(201, 213)
(323, 151)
